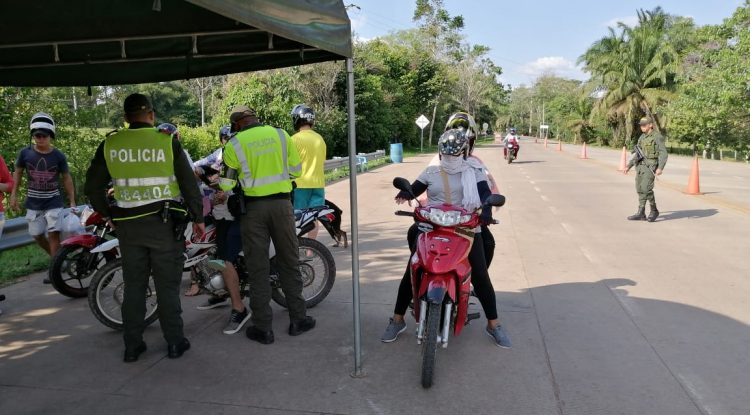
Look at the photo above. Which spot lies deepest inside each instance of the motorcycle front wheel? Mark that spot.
(106, 294)
(72, 267)
(429, 343)
(318, 270)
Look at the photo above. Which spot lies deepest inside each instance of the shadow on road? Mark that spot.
(687, 214)
(528, 161)
(48, 341)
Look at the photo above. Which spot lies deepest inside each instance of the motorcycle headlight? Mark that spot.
(443, 218)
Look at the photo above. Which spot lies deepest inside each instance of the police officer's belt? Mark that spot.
(151, 208)
(275, 196)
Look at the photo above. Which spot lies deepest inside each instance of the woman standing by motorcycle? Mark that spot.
(453, 180)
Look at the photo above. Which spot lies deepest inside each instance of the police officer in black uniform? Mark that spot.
(150, 173)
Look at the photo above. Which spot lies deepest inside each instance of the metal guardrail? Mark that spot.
(16, 233)
(362, 159)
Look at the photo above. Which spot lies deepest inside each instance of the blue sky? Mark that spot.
(531, 37)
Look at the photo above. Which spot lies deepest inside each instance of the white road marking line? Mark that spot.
(537, 189)
(531, 181)
(587, 254)
(554, 210)
(545, 198)
(566, 227)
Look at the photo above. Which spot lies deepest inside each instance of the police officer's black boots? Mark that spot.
(640, 215)
(654, 213)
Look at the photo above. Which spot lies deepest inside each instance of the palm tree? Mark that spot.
(637, 66)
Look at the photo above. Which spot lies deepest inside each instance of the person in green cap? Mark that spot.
(649, 160)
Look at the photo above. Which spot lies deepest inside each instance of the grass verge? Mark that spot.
(21, 261)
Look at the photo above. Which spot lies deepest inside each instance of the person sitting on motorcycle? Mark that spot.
(466, 184)
(463, 120)
(228, 246)
(511, 138)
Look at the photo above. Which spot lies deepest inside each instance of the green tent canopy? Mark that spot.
(95, 42)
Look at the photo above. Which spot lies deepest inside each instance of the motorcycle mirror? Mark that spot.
(495, 200)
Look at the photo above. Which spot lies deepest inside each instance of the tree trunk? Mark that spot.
(432, 123)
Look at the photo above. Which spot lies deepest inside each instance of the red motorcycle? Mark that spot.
(511, 151)
(441, 273)
(74, 263)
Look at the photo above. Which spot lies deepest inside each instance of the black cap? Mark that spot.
(135, 103)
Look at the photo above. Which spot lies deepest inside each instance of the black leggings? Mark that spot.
(480, 278)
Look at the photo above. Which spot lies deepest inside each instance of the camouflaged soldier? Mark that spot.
(649, 159)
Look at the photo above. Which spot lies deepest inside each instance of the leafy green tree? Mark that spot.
(638, 66)
(713, 108)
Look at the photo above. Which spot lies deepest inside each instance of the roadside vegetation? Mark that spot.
(21, 261)
(692, 80)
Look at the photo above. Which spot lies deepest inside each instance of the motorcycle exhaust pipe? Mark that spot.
(422, 318)
(446, 324)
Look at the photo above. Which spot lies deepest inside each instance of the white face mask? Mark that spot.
(451, 164)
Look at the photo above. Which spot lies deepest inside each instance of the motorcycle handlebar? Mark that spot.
(404, 213)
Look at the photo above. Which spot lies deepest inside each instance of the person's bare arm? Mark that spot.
(17, 175)
(69, 189)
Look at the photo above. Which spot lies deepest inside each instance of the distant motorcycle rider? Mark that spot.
(511, 138)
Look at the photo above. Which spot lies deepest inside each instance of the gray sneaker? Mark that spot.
(213, 302)
(392, 331)
(499, 336)
(236, 321)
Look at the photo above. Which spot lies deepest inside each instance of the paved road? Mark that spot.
(606, 316)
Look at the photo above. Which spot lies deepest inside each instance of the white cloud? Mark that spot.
(556, 65)
(631, 21)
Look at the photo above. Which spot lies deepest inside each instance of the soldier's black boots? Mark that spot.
(653, 214)
(640, 215)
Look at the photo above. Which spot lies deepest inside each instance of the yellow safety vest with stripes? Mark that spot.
(265, 160)
(141, 163)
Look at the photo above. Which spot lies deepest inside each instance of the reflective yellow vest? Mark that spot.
(141, 164)
(265, 159)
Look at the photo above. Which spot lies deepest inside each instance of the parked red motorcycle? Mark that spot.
(73, 265)
(441, 273)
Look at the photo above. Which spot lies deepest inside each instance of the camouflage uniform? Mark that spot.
(655, 158)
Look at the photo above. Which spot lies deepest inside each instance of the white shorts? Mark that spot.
(41, 221)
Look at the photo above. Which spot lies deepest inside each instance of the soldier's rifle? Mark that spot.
(639, 157)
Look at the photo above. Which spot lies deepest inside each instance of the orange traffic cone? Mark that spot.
(694, 186)
(559, 145)
(583, 152)
(623, 160)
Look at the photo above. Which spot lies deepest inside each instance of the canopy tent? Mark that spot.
(94, 42)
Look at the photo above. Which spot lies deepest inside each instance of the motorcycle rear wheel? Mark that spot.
(72, 267)
(429, 343)
(318, 270)
(106, 294)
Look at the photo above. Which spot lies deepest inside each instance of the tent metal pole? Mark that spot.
(354, 225)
